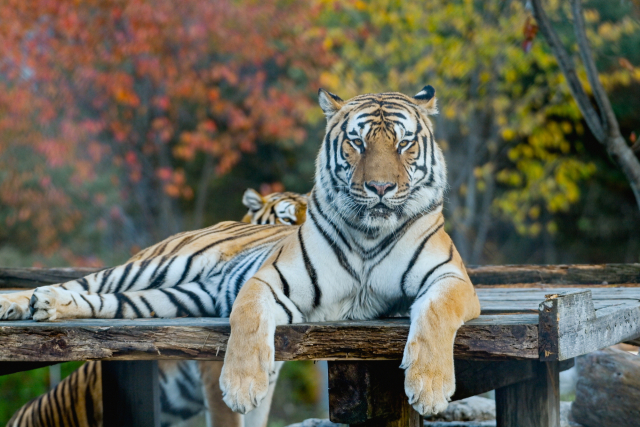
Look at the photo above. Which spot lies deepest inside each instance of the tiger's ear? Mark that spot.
(252, 199)
(426, 98)
(329, 102)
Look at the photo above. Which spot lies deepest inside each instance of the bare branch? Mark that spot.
(569, 70)
(610, 123)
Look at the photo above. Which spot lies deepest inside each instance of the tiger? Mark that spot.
(374, 244)
(79, 396)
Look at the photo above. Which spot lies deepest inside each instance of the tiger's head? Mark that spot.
(379, 163)
(276, 208)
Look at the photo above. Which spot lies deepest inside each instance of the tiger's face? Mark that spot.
(380, 162)
(276, 208)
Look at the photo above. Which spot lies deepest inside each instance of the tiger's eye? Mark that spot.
(357, 141)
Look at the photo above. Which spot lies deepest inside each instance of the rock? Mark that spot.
(315, 422)
(470, 409)
(608, 389)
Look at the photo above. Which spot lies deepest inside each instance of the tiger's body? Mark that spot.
(373, 244)
(77, 400)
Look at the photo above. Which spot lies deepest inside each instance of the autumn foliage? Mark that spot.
(114, 102)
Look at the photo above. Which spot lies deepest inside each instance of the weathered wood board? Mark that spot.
(502, 275)
(570, 326)
(485, 338)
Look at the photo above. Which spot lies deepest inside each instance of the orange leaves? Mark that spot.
(130, 95)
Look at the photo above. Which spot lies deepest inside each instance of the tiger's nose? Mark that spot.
(381, 188)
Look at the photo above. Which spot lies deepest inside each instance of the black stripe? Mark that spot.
(93, 312)
(342, 258)
(84, 283)
(122, 300)
(285, 284)
(317, 294)
(146, 303)
(430, 272)
(181, 309)
(196, 300)
(105, 277)
(275, 297)
(436, 280)
(414, 258)
(127, 269)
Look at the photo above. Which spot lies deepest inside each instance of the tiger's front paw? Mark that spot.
(429, 380)
(49, 303)
(14, 306)
(244, 380)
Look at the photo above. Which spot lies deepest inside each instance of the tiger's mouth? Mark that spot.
(380, 211)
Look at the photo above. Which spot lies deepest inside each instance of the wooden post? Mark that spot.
(131, 394)
(369, 394)
(531, 403)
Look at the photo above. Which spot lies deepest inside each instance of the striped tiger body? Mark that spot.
(77, 400)
(373, 244)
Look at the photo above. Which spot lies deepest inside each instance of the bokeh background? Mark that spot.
(123, 122)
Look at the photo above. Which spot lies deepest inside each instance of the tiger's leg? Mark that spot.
(77, 400)
(260, 306)
(436, 316)
(191, 299)
(154, 273)
(218, 414)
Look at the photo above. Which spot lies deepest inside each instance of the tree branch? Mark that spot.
(604, 128)
(610, 123)
(569, 70)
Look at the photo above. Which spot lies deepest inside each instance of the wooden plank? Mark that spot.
(603, 274)
(131, 394)
(502, 275)
(531, 403)
(485, 338)
(33, 277)
(570, 326)
(368, 394)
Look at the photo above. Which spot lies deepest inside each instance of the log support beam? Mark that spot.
(131, 394)
(531, 403)
(369, 394)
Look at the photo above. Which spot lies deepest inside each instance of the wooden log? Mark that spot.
(608, 389)
(602, 274)
(531, 403)
(491, 275)
(131, 394)
(368, 394)
(485, 338)
(569, 325)
(28, 278)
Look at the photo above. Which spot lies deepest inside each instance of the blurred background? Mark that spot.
(123, 122)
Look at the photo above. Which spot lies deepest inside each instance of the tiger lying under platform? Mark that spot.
(373, 245)
(77, 400)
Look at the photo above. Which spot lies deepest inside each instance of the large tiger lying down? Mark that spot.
(373, 244)
(78, 399)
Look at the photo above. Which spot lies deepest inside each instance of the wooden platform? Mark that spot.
(535, 320)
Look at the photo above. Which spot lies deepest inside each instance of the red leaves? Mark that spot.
(139, 90)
